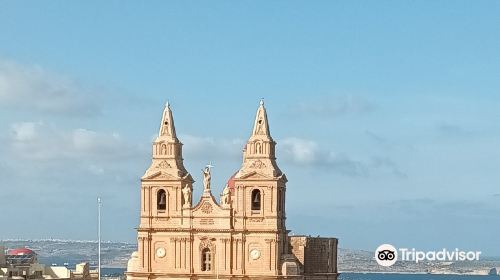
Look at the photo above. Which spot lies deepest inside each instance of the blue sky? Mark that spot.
(386, 113)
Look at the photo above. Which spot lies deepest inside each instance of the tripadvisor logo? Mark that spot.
(387, 255)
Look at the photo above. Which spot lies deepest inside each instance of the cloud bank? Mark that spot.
(42, 141)
(306, 152)
(31, 87)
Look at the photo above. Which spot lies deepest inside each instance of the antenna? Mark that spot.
(99, 237)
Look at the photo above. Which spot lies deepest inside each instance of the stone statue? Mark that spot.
(226, 196)
(186, 191)
(207, 176)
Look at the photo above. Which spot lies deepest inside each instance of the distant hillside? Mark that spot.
(364, 261)
(116, 255)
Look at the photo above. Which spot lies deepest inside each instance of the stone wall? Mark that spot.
(316, 255)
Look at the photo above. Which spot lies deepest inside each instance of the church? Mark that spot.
(241, 235)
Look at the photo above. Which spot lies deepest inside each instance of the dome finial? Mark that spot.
(167, 104)
(262, 101)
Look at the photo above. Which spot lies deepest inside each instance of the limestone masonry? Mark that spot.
(243, 236)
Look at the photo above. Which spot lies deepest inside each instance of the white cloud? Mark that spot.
(306, 152)
(41, 141)
(24, 131)
(35, 88)
(85, 140)
(300, 150)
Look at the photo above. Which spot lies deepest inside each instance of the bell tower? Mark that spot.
(162, 200)
(164, 180)
(260, 168)
(259, 200)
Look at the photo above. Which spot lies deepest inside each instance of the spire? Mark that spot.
(167, 127)
(259, 152)
(167, 149)
(261, 125)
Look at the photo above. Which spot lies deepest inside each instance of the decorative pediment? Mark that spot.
(207, 206)
(254, 175)
(156, 168)
(208, 214)
(258, 164)
(159, 165)
(158, 175)
(163, 165)
(164, 170)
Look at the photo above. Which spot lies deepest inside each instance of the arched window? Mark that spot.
(161, 200)
(256, 200)
(163, 149)
(206, 260)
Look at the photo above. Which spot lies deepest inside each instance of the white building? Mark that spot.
(22, 264)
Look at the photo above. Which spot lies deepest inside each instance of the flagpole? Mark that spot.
(99, 237)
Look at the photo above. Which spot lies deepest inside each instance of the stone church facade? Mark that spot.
(243, 236)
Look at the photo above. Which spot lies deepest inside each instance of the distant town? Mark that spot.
(71, 253)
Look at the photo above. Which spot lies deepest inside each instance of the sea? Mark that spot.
(365, 276)
(396, 276)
